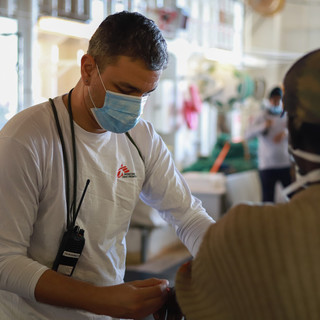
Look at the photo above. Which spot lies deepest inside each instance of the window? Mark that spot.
(9, 76)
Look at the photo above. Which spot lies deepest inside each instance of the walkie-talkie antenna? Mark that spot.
(82, 197)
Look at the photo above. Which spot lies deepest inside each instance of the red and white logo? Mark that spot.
(124, 172)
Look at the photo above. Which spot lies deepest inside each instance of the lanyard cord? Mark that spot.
(74, 151)
(70, 220)
(132, 141)
(65, 160)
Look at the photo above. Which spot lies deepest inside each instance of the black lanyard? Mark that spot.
(71, 218)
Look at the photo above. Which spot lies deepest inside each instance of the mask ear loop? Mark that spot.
(313, 176)
(102, 85)
(305, 155)
(91, 98)
(101, 78)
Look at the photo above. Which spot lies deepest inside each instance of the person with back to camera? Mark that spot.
(71, 172)
(263, 261)
(273, 158)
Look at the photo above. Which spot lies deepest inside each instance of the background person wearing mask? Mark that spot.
(125, 58)
(273, 158)
(263, 262)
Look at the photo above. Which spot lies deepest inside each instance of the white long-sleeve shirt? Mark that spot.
(33, 209)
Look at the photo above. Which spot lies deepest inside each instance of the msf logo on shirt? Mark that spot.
(124, 172)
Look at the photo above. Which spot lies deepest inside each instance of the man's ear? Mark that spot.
(88, 66)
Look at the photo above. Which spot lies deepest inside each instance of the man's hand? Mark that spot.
(278, 137)
(131, 300)
(268, 123)
(136, 299)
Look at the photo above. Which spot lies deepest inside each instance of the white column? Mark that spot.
(27, 15)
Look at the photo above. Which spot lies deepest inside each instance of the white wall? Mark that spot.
(280, 39)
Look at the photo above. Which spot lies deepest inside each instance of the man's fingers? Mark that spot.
(150, 295)
(151, 288)
(153, 292)
(150, 305)
(149, 282)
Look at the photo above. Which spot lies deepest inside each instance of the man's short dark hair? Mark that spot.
(129, 34)
(301, 102)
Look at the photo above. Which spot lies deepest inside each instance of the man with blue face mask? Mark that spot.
(263, 261)
(64, 258)
(120, 112)
(273, 159)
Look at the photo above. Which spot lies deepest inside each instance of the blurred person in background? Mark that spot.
(273, 158)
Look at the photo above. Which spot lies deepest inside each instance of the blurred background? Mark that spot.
(228, 53)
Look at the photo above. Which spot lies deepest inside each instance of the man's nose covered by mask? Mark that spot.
(120, 112)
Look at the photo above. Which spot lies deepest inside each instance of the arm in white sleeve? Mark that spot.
(192, 231)
(166, 190)
(19, 200)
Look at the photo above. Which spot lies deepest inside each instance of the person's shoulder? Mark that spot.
(253, 215)
(29, 123)
(248, 208)
(148, 140)
(307, 197)
(145, 130)
(31, 113)
(246, 222)
(144, 125)
(262, 208)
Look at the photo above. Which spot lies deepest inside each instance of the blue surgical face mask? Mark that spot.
(275, 109)
(120, 112)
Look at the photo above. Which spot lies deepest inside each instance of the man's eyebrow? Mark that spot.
(128, 86)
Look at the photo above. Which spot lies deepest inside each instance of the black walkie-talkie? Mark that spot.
(69, 251)
(73, 240)
(71, 245)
